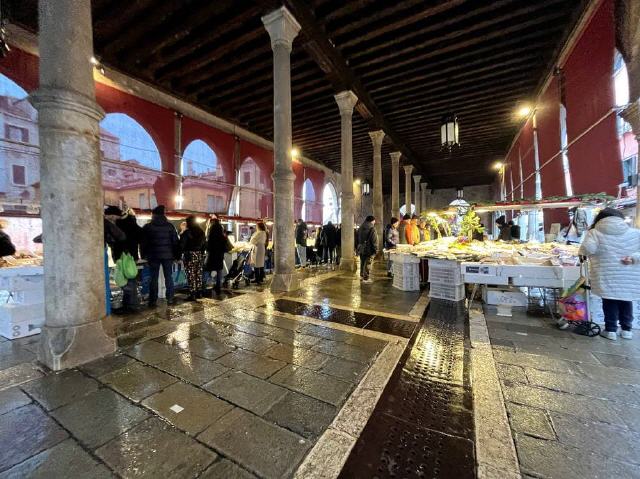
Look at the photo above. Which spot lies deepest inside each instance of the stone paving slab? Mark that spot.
(265, 449)
(534, 360)
(308, 382)
(65, 460)
(249, 342)
(20, 374)
(137, 381)
(99, 417)
(56, 390)
(187, 408)
(259, 366)
(11, 355)
(248, 392)
(154, 449)
(24, 432)
(619, 361)
(530, 421)
(343, 369)
(193, 369)
(11, 399)
(100, 367)
(510, 372)
(302, 414)
(225, 469)
(344, 351)
(298, 356)
(205, 348)
(152, 352)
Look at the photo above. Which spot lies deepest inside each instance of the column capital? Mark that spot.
(631, 114)
(408, 169)
(346, 100)
(416, 179)
(377, 137)
(424, 185)
(395, 157)
(282, 27)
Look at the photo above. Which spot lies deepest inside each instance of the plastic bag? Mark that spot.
(573, 306)
(129, 266)
(121, 279)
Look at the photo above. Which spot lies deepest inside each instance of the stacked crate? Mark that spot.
(445, 280)
(406, 272)
(22, 308)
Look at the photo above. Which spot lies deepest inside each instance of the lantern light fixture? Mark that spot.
(366, 188)
(449, 132)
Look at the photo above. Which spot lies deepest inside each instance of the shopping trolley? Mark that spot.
(575, 305)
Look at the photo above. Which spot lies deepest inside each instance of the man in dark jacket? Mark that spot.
(367, 247)
(329, 232)
(6, 245)
(128, 224)
(301, 241)
(160, 248)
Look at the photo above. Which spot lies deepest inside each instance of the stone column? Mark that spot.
(407, 188)
(376, 138)
(282, 28)
(395, 183)
(70, 175)
(631, 114)
(346, 101)
(423, 197)
(416, 180)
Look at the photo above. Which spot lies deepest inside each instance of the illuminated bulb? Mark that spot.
(357, 182)
(294, 152)
(94, 61)
(497, 165)
(524, 111)
(179, 198)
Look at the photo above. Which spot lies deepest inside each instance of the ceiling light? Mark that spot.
(524, 111)
(449, 132)
(498, 165)
(294, 152)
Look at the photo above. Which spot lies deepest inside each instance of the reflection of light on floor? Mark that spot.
(182, 333)
(269, 308)
(429, 350)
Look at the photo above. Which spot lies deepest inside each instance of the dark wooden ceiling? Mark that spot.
(410, 62)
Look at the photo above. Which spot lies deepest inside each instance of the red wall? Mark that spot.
(22, 68)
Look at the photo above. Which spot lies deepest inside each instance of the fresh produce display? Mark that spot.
(470, 224)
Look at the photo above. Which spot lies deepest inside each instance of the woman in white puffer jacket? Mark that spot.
(613, 249)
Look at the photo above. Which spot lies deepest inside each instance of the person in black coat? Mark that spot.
(128, 224)
(160, 247)
(329, 231)
(192, 246)
(367, 247)
(6, 245)
(338, 243)
(217, 245)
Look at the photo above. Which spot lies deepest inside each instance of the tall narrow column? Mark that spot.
(395, 183)
(346, 101)
(282, 28)
(376, 139)
(70, 175)
(423, 196)
(407, 188)
(416, 180)
(631, 114)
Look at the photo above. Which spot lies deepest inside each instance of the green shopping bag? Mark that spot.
(121, 279)
(129, 267)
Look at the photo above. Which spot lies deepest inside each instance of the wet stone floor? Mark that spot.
(213, 389)
(573, 402)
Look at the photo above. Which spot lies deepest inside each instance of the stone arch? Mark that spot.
(308, 197)
(330, 204)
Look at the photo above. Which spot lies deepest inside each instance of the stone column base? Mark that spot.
(68, 347)
(283, 282)
(348, 265)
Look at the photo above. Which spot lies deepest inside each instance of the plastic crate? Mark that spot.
(445, 276)
(406, 283)
(406, 269)
(404, 258)
(447, 291)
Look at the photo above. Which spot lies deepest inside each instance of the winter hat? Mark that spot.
(158, 210)
(112, 211)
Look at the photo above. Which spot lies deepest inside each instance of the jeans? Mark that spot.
(167, 269)
(302, 254)
(617, 310)
(329, 255)
(365, 266)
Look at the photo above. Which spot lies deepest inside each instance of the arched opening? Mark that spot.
(19, 164)
(202, 187)
(131, 164)
(330, 206)
(252, 196)
(626, 138)
(403, 209)
(308, 200)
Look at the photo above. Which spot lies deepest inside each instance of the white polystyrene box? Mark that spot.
(13, 312)
(22, 283)
(508, 296)
(404, 258)
(480, 273)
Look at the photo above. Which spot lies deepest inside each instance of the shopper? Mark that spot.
(367, 247)
(405, 225)
(573, 233)
(217, 245)
(504, 229)
(192, 242)
(329, 231)
(613, 249)
(338, 243)
(423, 230)
(6, 245)
(415, 232)
(259, 241)
(319, 245)
(515, 231)
(160, 247)
(391, 238)
(301, 242)
(113, 236)
(128, 224)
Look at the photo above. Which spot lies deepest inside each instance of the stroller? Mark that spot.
(574, 305)
(240, 270)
